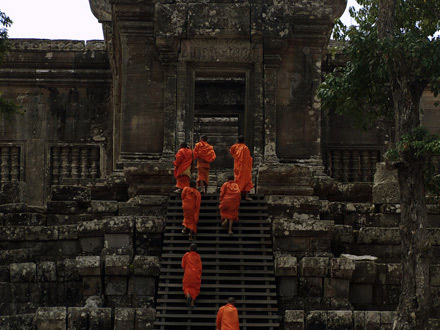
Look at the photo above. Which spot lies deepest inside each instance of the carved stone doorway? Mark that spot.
(219, 113)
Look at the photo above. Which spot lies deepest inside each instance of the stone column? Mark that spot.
(271, 65)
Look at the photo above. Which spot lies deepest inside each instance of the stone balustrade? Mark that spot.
(352, 164)
(75, 163)
(10, 163)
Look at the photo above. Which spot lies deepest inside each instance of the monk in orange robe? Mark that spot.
(182, 167)
(230, 197)
(192, 277)
(227, 316)
(191, 200)
(204, 153)
(242, 166)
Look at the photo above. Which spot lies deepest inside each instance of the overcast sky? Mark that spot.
(62, 19)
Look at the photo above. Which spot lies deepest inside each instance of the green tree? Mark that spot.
(7, 108)
(393, 56)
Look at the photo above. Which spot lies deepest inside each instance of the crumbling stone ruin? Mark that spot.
(87, 225)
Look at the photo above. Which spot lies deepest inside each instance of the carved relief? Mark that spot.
(55, 45)
(211, 50)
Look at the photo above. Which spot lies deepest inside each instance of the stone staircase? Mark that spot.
(240, 266)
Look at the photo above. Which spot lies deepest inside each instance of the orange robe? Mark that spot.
(230, 197)
(227, 318)
(192, 277)
(182, 167)
(242, 166)
(205, 154)
(191, 200)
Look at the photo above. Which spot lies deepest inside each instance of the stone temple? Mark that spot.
(89, 227)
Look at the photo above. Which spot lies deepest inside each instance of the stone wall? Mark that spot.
(63, 89)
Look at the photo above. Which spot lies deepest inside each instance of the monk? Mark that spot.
(230, 197)
(192, 277)
(182, 167)
(204, 153)
(227, 316)
(242, 166)
(191, 200)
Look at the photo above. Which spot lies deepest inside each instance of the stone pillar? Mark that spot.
(168, 58)
(271, 65)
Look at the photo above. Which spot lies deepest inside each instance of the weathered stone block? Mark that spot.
(92, 286)
(294, 320)
(387, 317)
(118, 301)
(116, 285)
(46, 271)
(316, 320)
(107, 207)
(124, 318)
(385, 185)
(24, 272)
(67, 270)
(394, 274)
(117, 265)
(71, 193)
(146, 224)
(142, 286)
(372, 320)
(77, 318)
(283, 206)
(310, 286)
(314, 266)
(144, 318)
(292, 244)
(91, 244)
(64, 207)
(118, 240)
(17, 322)
(364, 272)
(359, 320)
(361, 294)
(24, 219)
(434, 271)
(4, 273)
(146, 266)
(283, 227)
(88, 265)
(67, 232)
(90, 228)
(343, 234)
(100, 318)
(340, 320)
(342, 268)
(286, 266)
(376, 235)
(336, 288)
(119, 225)
(288, 286)
(320, 243)
(51, 318)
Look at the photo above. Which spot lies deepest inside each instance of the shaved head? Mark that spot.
(231, 300)
(193, 247)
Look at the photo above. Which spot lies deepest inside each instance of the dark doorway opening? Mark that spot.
(219, 113)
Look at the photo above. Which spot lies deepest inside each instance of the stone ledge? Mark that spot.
(88, 265)
(284, 227)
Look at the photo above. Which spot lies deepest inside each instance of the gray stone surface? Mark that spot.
(23, 272)
(46, 271)
(385, 186)
(146, 266)
(286, 266)
(341, 268)
(117, 265)
(314, 266)
(51, 318)
(88, 265)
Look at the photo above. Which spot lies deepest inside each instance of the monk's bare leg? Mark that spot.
(184, 230)
(247, 196)
(224, 222)
(190, 236)
(205, 185)
(192, 303)
(188, 300)
(230, 228)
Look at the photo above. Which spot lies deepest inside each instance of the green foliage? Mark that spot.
(7, 108)
(5, 22)
(361, 88)
(422, 146)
